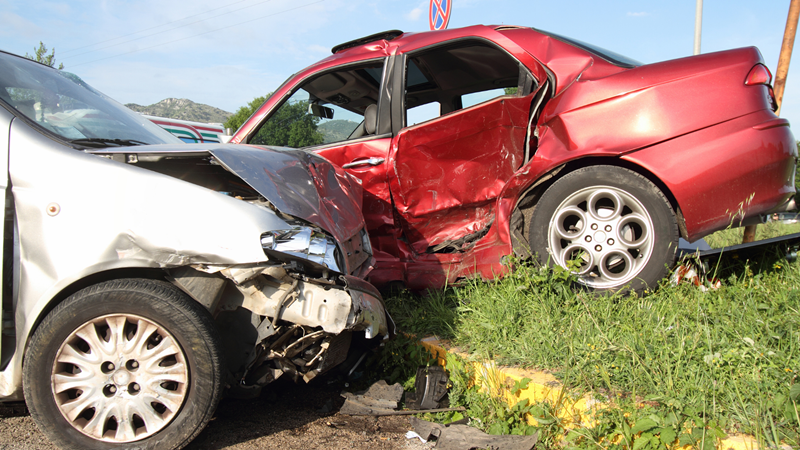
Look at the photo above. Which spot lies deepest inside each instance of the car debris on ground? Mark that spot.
(382, 399)
(464, 437)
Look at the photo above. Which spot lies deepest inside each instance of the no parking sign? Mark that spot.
(439, 14)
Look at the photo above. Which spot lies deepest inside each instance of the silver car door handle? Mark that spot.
(364, 162)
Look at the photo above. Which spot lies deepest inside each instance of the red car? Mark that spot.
(479, 143)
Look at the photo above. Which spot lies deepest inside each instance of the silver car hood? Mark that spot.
(297, 183)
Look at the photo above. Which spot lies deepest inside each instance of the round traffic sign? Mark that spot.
(439, 14)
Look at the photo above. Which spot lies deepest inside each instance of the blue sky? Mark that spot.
(226, 52)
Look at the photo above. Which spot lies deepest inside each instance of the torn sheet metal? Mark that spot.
(296, 183)
(300, 184)
(450, 172)
(379, 399)
(464, 437)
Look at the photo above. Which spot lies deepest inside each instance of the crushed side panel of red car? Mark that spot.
(377, 201)
(448, 172)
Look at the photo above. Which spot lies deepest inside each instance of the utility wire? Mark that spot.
(148, 29)
(199, 34)
(170, 29)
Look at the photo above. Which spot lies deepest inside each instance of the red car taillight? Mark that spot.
(760, 75)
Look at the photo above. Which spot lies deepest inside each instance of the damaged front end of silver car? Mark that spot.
(272, 243)
(297, 313)
(279, 318)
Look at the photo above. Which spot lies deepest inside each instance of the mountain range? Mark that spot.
(183, 109)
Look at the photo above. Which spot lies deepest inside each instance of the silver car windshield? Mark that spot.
(63, 104)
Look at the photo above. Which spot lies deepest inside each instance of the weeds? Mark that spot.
(681, 366)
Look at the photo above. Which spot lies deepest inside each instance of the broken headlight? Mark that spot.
(304, 242)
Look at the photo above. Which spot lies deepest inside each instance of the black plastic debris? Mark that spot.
(463, 437)
(431, 389)
(383, 400)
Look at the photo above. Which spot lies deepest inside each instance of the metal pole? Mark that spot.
(780, 79)
(698, 26)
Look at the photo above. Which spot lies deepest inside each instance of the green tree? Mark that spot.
(290, 126)
(40, 55)
(242, 114)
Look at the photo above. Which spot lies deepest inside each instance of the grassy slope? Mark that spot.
(728, 357)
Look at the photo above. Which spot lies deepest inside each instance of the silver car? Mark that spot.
(143, 276)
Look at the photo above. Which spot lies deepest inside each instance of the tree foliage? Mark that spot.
(40, 55)
(242, 114)
(290, 126)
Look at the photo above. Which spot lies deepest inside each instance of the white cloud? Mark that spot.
(14, 25)
(414, 14)
(319, 49)
(637, 14)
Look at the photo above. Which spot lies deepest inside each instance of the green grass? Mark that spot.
(724, 359)
(733, 236)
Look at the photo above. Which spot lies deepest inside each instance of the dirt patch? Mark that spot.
(285, 416)
(289, 416)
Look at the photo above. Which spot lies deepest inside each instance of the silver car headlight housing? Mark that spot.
(307, 243)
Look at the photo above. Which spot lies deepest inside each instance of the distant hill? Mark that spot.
(183, 109)
(337, 130)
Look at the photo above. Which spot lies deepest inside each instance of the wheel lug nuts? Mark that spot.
(608, 227)
(588, 239)
(610, 242)
(594, 226)
(109, 390)
(598, 247)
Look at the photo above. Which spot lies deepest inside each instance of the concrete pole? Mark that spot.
(698, 26)
(780, 79)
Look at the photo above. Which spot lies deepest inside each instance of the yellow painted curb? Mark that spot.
(544, 387)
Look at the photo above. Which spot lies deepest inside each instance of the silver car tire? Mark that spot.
(616, 223)
(131, 363)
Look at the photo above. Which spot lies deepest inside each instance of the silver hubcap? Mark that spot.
(120, 378)
(605, 229)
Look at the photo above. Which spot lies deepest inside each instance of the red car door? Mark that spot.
(447, 173)
(367, 161)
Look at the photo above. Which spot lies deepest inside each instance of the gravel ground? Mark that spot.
(286, 416)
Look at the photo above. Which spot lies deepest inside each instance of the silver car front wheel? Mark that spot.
(120, 378)
(125, 364)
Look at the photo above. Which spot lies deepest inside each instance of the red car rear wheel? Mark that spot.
(615, 223)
